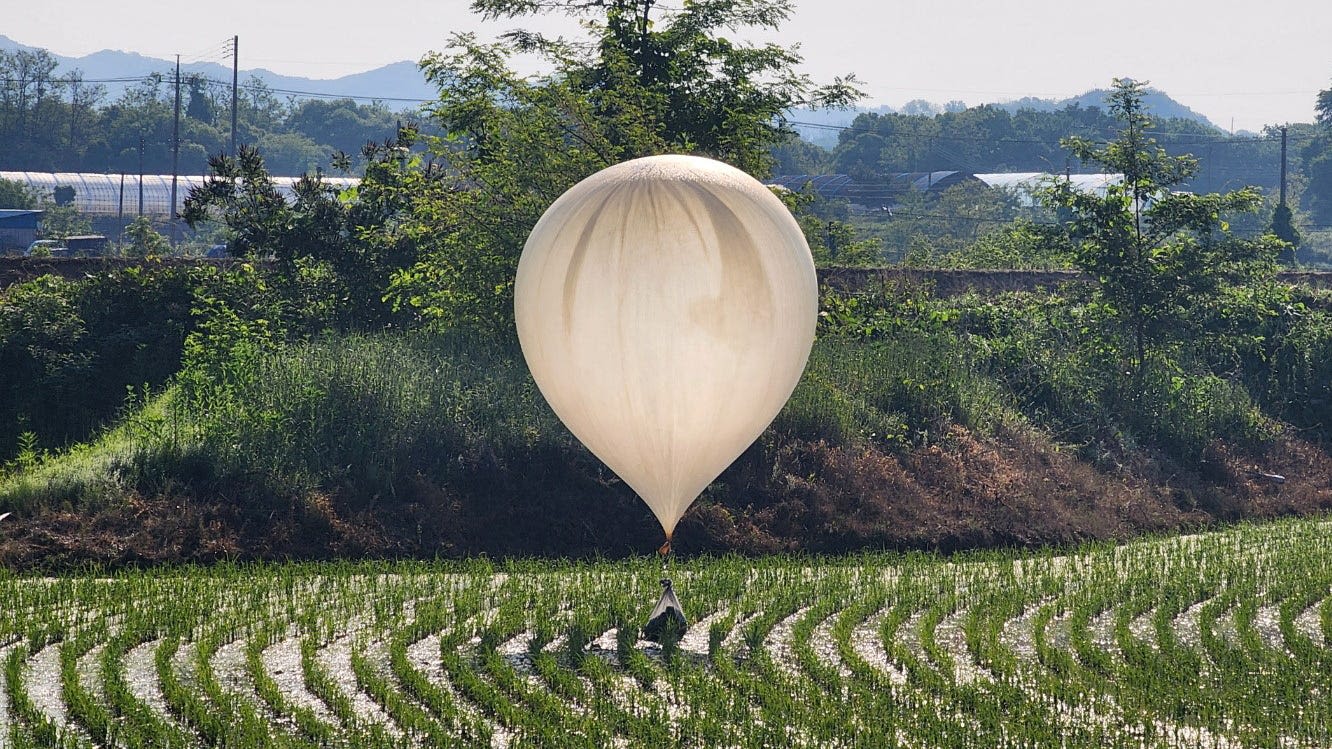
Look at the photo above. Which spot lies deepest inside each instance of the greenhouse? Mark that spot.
(120, 194)
(885, 191)
(1026, 185)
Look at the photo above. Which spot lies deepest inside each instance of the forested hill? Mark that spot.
(994, 139)
(822, 127)
(1159, 103)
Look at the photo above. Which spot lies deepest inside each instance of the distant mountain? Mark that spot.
(400, 85)
(1159, 105)
(820, 127)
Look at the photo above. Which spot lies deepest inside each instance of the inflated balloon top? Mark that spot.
(666, 307)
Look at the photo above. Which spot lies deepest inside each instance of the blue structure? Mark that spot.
(18, 229)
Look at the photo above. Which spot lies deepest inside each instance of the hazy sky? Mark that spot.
(1245, 63)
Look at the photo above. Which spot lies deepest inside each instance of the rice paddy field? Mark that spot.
(1212, 640)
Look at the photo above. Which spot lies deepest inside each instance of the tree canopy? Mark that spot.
(61, 123)
(645, 80)
(1165, 261)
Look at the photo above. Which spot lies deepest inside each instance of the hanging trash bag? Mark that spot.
(668, 613)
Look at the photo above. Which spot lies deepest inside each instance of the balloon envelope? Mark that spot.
(666, 307)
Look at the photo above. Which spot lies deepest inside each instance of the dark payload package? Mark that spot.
(667, 613)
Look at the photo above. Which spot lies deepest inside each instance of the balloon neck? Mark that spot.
(665, 549)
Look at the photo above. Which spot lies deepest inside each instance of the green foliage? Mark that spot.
(16, 195)
(924, 229)
(241, 194)
(70, 349)
(898, 365)
(1318, 197)
(66, 124)
(1283, 228)
(1021, 245)
(889, 369)
(142, 240)
(832, 239)
(60, 221)
(1296, 382)
(236, 321)
(638, 85)
(335, 251)
(1162, 260)
(989, 139)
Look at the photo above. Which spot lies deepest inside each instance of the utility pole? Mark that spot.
(1283, 222)
(235, 77)
(140, 175)
(1283, 165)
(73, 109)
(175, 152)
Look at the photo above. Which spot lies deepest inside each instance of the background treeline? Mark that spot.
(51, 123)
(994, 139)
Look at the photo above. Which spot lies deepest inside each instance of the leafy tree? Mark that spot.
(142, 240)
(833, 241)
(34, 118)
(1319, 192)
(1318, 161)
(200, 106)
(60, 221)
(1164, 261)
(1283, 228)
(645, 81)
(334, 251)
(990, 139)
(15, 194)
(1023, 244)
(928, 228)
(341, 125)
(798, 156)
(291, 153)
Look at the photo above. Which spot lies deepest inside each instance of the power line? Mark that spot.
(1211, 140)
(251, 87)
(81, 81)
(217, 51)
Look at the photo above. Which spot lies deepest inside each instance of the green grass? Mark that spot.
(366, 415)
(1089, 648)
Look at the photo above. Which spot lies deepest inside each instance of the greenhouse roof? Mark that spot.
(117, 194)
(1029, 182)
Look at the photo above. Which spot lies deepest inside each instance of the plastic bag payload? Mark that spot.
(667, 613)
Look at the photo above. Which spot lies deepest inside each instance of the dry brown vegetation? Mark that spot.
(1015, 489)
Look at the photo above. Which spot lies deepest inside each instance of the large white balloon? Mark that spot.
(666, 307)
